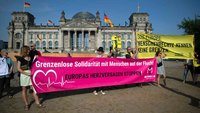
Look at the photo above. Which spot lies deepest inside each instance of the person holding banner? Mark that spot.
(111, 54)
(99, 89)
(196, 67)
(23, 66)
(160, 68)
(33, 52)
(130, 53)
(188, 67)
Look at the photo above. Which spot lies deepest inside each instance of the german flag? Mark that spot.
(107, 20)
(27, 4)
(50, 22)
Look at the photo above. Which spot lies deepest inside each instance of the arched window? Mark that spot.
(37, 44)
(50, 44)
(56, 44)
(44, 45)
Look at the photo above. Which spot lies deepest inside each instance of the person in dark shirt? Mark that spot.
(33, 52)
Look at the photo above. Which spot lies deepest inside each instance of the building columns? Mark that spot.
(68, 38)
(75, 40)
(83, 41)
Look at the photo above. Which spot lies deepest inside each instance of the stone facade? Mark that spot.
(82, 33)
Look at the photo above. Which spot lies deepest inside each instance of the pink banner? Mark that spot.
(50, 74)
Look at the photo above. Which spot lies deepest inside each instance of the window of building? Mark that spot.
(104, 36)
(50, 44)
(123, 45)
(104, 44)
(56, 44)
(109, 44)
(44, 36)
(50, 36)
(31, 42)
(31, 36)
(140, 19)
(37, 44)
(56, 35)
(110, 36)
(128, 44)
(129, 36)
(122, 35)
(44, 45)
(18, 35)
(18, 45)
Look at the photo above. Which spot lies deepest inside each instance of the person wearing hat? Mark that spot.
(6, 66)
(100, 53)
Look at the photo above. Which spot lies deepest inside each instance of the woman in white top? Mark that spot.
(160, 68)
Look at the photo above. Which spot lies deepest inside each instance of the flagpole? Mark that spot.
(23, 6)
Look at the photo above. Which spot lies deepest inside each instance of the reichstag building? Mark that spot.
(84, 32)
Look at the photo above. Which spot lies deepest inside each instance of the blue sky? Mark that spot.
(164, 14)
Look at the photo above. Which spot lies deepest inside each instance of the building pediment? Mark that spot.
(80, 24)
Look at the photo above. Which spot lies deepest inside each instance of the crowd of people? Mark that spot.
(26, 59)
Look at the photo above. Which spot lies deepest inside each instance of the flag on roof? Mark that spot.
(107, 20)
(27, 4)
(50, 22)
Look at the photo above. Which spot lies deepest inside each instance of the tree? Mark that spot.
(192, 27)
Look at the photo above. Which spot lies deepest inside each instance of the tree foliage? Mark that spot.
(192, 27)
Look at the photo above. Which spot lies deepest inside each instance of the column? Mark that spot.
(89, 41)
(125, 36)
(10, 40)
(75, 40)
(83, 41)
(61, 41)
(68, 38)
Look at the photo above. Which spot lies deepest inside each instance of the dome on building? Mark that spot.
(84, 15)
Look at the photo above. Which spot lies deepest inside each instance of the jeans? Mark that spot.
(186, 70)
(5, 84)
